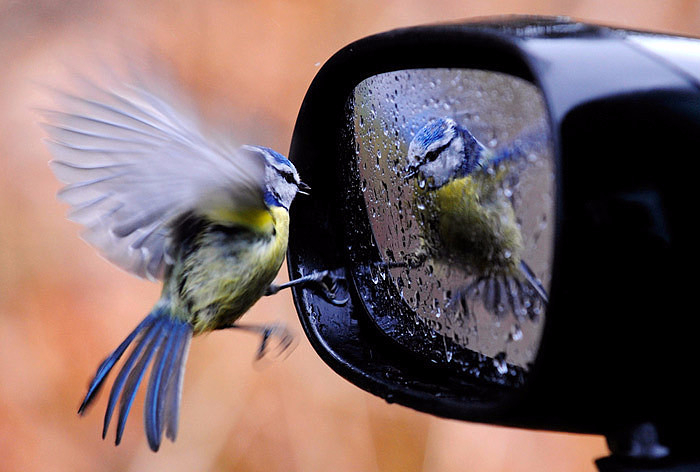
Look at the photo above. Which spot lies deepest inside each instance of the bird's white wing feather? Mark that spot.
(133, 163)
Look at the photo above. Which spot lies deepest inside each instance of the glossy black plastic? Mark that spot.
(619, 340)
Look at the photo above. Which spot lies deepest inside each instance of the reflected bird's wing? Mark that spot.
(529, 143)
(133, 162)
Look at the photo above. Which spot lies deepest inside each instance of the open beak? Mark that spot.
(303, 188)
(410, 173)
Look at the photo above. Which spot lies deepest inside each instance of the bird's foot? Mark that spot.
(276, 339)
(410, 261)
(326, 281)
(282, 339)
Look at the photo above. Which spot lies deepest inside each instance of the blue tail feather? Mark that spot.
(118, 384)
(172, 394)
(134, 378)
(153, 407)
(108, 363)
(534, 282)
(158, 337)
(171, 398)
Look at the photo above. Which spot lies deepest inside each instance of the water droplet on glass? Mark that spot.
(516, 333)
(448, 351)
(499, 362)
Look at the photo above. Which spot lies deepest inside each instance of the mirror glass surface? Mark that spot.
(456, 170)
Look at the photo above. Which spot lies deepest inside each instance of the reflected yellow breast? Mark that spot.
(470, 222)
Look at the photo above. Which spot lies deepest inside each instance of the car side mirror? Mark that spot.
(587, 134)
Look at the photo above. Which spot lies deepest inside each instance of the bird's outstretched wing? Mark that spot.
(133, 162)
(530, 142)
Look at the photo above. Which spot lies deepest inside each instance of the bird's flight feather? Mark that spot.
(133, 163)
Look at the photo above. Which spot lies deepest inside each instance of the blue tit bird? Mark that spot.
(466, 218)
(164, 201)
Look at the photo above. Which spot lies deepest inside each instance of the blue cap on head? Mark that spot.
(433, 132)
(281, 178)
(276, 156)
(442, 150)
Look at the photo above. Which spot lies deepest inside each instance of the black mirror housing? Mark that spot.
(618, 339)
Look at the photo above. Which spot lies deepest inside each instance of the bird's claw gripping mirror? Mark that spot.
(330, 284)
(327, 282)
(508, 202)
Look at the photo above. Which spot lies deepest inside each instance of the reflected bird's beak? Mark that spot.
(410, 173)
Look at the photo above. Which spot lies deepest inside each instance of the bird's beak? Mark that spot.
(410, 173)
(303, 188)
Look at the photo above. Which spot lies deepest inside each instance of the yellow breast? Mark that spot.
(258, 219)
(470, 222)
(229, 269)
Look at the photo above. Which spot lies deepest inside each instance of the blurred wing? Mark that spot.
(133, 163)
(531, 142)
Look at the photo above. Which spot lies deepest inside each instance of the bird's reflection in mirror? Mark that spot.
(457, 174)
(466, 217)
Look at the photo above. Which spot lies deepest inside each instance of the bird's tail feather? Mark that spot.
(158, 337)
(534, 282)
(522, 295)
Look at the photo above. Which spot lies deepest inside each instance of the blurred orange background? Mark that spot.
(63, 308)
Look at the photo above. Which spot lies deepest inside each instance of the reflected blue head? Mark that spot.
(442, 150)
(435, 134)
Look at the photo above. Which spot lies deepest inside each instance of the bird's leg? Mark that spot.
(323, 279)
(285, 338)
(411, 261)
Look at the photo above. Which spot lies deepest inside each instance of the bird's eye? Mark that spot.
(432, 155)
(289, 177)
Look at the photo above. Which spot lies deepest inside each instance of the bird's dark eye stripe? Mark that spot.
(432, 155)
(289, 177)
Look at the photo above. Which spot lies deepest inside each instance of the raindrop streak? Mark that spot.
(499, 362)
(516, 334)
